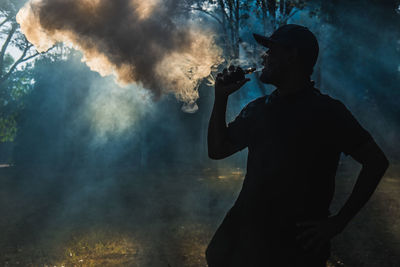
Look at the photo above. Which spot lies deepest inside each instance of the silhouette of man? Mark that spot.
(294, 138)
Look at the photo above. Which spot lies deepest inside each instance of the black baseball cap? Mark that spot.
(295, 36)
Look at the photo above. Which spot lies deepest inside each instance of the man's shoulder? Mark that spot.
(326, 100)
(331, 109)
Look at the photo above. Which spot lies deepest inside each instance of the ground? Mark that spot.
(160, 218)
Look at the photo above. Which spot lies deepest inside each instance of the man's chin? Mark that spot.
(265, 77)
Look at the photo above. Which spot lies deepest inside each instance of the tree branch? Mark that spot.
(22, 59)
(208, 13)
(16, 63)
(224, 14)
(19, 61)
(4, 21)
(5, 45)
(30, 57)
(292, 12)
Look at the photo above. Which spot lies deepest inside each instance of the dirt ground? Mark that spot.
(163, 218)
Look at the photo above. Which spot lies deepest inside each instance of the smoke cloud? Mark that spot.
(139, 42)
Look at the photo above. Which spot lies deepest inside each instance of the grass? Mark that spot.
(165, 218)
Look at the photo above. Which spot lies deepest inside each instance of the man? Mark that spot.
(294, 138)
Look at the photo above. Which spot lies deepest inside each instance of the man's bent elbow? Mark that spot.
(215, 155)
(219, 152)
(380, 162)
(384, 163)
(371, 155)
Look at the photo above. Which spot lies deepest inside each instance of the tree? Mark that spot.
(232, 15)
(12, 37)
(228, 14)
(16, 80)
(274, 13)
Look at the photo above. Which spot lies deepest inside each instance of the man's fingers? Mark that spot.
(242, 82)
(239, 84)
(307, 234)
(318, 246)
(219, 81)
(312, 242)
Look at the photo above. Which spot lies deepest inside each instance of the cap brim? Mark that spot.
(262, 40)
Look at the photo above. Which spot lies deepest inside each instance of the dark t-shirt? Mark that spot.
(294, 144)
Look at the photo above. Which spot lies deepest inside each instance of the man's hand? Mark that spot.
(229, 81)
(316, 234)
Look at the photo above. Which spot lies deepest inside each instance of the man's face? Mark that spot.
(276, 62)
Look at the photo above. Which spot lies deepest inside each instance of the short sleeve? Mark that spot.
(240, 129)
(348, 132)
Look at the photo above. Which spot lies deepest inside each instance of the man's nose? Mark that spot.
(264, 57)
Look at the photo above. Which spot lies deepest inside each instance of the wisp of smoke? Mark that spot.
(137, 41)
(112, 110)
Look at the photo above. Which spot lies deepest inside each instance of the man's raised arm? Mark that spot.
(219, 146)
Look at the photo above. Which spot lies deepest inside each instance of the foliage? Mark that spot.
(16, 79)
(12, 38)
(233, 15)
(276, 13)
(12, 93)
(8, 128)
